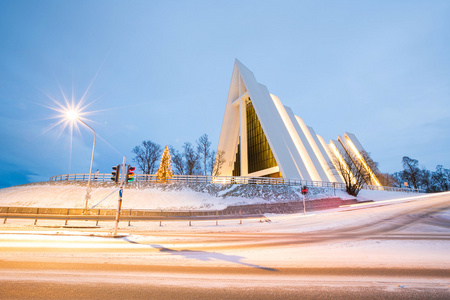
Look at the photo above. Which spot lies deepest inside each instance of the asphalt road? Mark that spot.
(189, 285)
(252, 263)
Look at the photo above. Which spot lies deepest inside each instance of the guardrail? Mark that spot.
(79, 214)
(229, 180)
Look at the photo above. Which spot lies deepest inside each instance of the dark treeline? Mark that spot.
(415, 177)
(192, 159)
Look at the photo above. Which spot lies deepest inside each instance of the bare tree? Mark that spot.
(217, 163)
(440, 179)
(147, 155)
(203, 146)
(354, 173)
(425, 180)
(387, 179)
(421, 178)
(414, 176)
(411, 171)
(177, 162)
(191, 159)
(211, 160)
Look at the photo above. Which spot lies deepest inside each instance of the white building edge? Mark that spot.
(261, 137)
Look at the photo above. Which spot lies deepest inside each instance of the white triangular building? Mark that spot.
(262, 138)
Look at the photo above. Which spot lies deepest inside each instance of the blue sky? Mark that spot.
(160, 71)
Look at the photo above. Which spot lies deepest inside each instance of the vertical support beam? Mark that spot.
(243, 134)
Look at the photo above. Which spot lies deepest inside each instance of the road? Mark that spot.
(389, 250)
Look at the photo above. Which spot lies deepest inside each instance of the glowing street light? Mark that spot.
(73, 115)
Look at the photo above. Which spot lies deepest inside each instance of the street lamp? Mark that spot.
(73, 116)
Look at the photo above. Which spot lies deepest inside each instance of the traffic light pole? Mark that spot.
(119, 204)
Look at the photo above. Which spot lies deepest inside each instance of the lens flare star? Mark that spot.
(72, 115)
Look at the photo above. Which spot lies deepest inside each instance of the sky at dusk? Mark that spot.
(161, 70)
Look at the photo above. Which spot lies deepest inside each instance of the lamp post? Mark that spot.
(88, 189)
(73, 115)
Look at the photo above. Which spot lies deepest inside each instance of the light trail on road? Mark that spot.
(398, 250)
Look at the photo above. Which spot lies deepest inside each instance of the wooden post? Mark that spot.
(217, 220)
(190, 215)
(240, 214)
(67, 219)
(129, 220)
(6, 217)
(37, 212)
(98, 214)
(260, 220)
(160, 220)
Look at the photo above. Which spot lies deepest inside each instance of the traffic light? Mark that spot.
(304, 190)
(130, 173)
(115, 174)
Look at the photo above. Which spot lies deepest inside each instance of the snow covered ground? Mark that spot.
(387, 234)
(177, 196)
(389, 247)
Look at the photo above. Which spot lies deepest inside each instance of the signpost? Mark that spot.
(304, 192)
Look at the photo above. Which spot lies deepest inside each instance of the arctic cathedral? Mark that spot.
(262, 138)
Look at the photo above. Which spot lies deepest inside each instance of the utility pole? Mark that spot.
(88, 189)
(119, 204)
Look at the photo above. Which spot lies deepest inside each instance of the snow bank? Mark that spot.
(382, 195)
(175, 196)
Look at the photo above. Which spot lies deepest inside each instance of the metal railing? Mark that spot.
(229, 180)
(79, 214)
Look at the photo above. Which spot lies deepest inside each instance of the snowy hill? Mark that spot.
(175, 196)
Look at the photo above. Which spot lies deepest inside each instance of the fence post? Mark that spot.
(67, 219)
(217, 218)
(129, 220)
(6, 216)
(37, 212)
(160, 220)
(98, 214)
(240, 214)
(190, 216)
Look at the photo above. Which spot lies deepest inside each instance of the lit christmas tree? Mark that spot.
(165, 169)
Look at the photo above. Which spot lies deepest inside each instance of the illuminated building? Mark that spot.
(262, 138)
